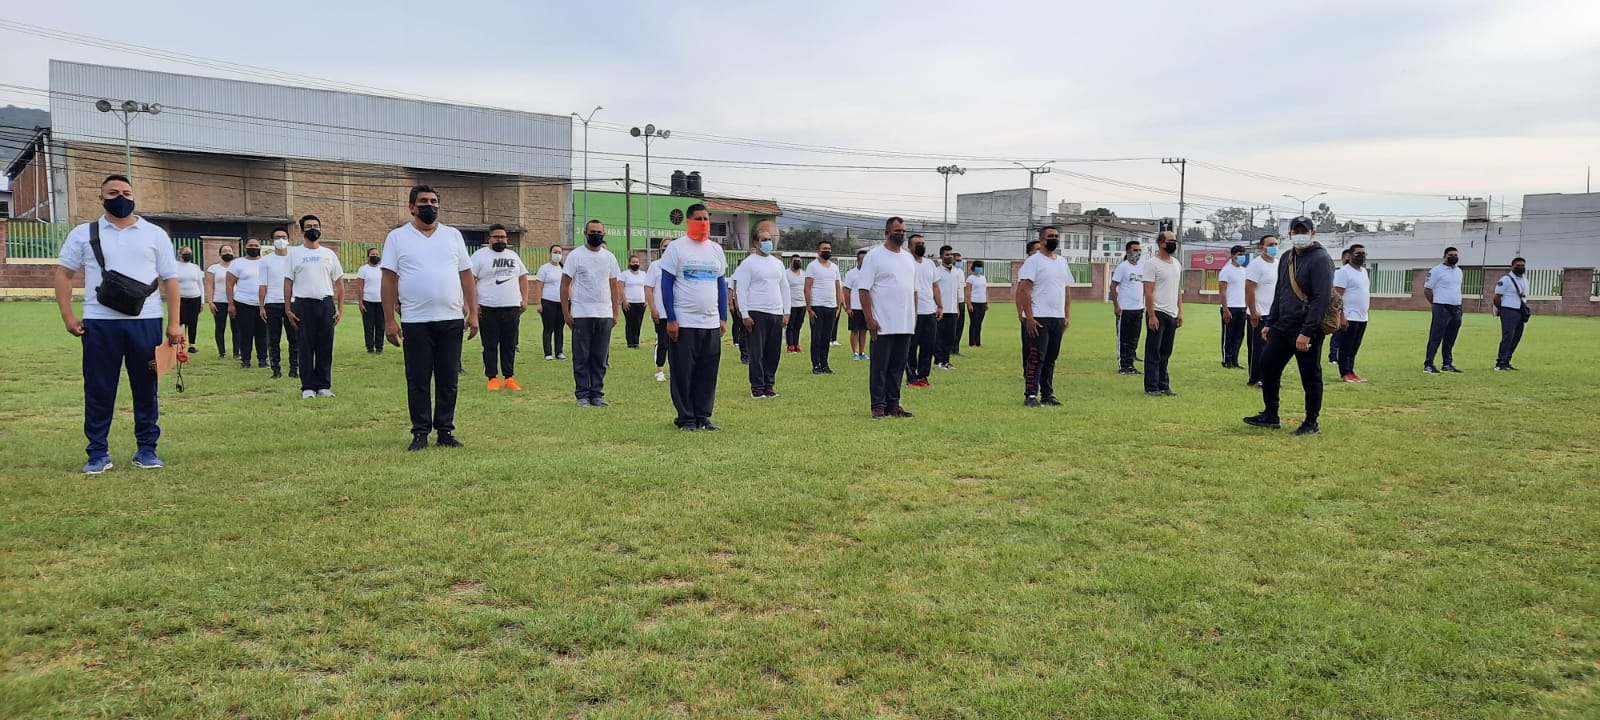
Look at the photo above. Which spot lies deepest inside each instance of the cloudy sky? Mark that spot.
(1387, 105)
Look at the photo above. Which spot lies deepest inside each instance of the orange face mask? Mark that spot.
(699, 229)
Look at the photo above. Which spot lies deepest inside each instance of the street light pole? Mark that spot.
(1303, 201)
(947, 171)
(1027, 234)
(648, 133)
(585, 169)
(126, 111)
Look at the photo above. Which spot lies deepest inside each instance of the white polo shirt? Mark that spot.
(592, 272)
(191, 279)
(696, 267)
(1050, 277)
(1129, 278)
(980, 288)
(142, 251)
(633, 286)
(891, 279)
(1357, 291)
(850, 287)
(950, 286)
(246, 272)
(1445, 282)
(274, 268)
(219, 282)
(1264, 273)
(549, 274)
(762, 285)
(371, 277)
(927, 277)
(428, 270)
(499, 276)
(1233, 275)
(315, 272)
(1167, 277)
(824, 276)
(1507, 287)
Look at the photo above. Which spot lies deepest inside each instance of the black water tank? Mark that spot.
(678, 182)
(692, 186)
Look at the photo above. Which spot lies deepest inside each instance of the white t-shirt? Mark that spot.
(499, 276)
(633, 286)
(592, 272)
(314, 272)
(1129, 279)
(652, 280)
(142, 251)
(824, 284)
(1233, 275)
(1264, 273)
(371, 277)
(429, 272)
(926, 278)
(1357, 291)
(1445, 281)
(1507, 287)
(762, 285)
(219, 282)
(550, 275)
(891, 278)
(797, 287)
(980, 287)
(191, 279)
(696, 268)
(274, 268)
(1168, 280)
(1050, 277)
(246, 272)
(950, 288)
(850, 287)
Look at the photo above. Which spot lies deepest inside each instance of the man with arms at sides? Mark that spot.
(1031, 249)
(763, 310)
(1260, 288)
(1235, 316)
(858, 320)
(369, 287)
(977, 303)
(658, 313)
(694, 288)
(1352, 284)
(1305, 287)
(1443, 290)
(948, 295)
(797, 304)
(275, 308)
(591, 296)
(1511, 304)
(1127, 303)
(502, 286)
(633, 282)
(1042, 292)
(314, 289)
(119, 243)
(925, 336)
(1163, 302)
(427, 277)
(888, 282)
(824, 295)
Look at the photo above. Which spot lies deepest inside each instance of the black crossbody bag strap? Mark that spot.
(94, 244)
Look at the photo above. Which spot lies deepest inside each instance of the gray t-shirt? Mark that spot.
(1167, 276)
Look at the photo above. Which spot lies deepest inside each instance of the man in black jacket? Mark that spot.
(1305, 286)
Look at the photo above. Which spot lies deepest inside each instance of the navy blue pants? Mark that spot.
(109, 348)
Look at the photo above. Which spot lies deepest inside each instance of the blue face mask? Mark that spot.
(958, 264)
(766, 246)
(1244, 260)
(1272, 251)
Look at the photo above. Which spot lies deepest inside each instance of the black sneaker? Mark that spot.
(1263, 421)
(1451, 369)
(827, 371)
(1499, 366)
(1127, 371)
(294, 373)
(758, 395)
(771, 393)
(708, 427)
(1051, 401)
(1155, 393)
(599, 402)
(879, 414)
(1170, 392)
(1430, 370)
(277, 374)
(1307, 428)
(1512, 368)
(1030, 401)
(817, 371)
(901, 412)
(222, 356)
(419, 442)
(447, 440)
(688, 428)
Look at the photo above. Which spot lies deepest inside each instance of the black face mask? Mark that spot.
(497, 246)
(118, 207)
(428, 214)
(919, 250)
(633, 266)
(1451, 261)
(373, 260)
(795, 264)
(313, 234)
(898, 238)
(252, 252)
(1358, 259)
(949, 261)
(1171, 247)
(186, 258)
(825, 254)
(1518, 271)
(227, 257)
(1052, 243)
(594, 239)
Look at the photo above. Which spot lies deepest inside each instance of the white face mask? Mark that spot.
(280, 243)
(555, 258)
(1300, 241)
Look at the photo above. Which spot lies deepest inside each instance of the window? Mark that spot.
(719, 229)
(1209, 285)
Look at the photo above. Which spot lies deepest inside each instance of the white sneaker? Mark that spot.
(307, 394)
(661, 376)
(549, 357)
(560, 356)
(834, 344)
(324, 393)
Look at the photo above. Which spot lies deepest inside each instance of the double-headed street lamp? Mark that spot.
(585, 121)
(1303, 201)
(947, 171)
(127, 110)
(648, 133)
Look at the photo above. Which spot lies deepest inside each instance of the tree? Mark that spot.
(1194, 235)
(1230, 220)
(1101, 212)
(1324, 219)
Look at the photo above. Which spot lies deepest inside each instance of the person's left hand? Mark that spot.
(294, 320)
(1066, 322)
(722, 328)
(1180, 319)
(338, 313)
(175, 334)
(523, 308)
(472, 326)
(1302, 344)
(749, 323)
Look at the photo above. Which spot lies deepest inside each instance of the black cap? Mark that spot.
(1301, 223)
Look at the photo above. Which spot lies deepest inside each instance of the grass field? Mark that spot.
(1435, 553)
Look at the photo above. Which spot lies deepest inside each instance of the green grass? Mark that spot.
(1433, 554)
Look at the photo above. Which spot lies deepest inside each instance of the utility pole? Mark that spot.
(627, 207)
(947, 171)
(1183, 174)
(1253, 210)
(1027, 234)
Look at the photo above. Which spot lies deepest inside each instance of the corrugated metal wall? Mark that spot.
(229, 116)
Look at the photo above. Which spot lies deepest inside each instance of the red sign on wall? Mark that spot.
(1209, 259)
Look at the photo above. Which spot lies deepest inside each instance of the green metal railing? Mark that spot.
(1545, 283)
(1472, 282)
(998, 272)
(35, 240)
(1390, 282)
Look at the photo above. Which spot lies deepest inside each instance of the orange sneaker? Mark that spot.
(494, 383)
(511, 384)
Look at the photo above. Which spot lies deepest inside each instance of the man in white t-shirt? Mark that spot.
(369, 287)
(887, 285)
(1042, 291)
(633, 282)
(1260, 286)
(763, 285)
(217, 302)
(1235, 314)
(275, 308)
(119, 329)
(427, 278)
(191, 294)
(1127, 304)
(502, 299)
(925, 337)
(1163, 302)
(658, 313)
(547, 285)
(948, 277)
(1443, 290)
(1352, 284)
(977, 303)
(823, 295)
(858, 321)
(1511, 305)
(1336, 336)
(694, 288)
(796, 276)
(591, 296)
(250, 323)
(314, 288)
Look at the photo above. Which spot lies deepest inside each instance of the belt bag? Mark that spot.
(117, 291)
